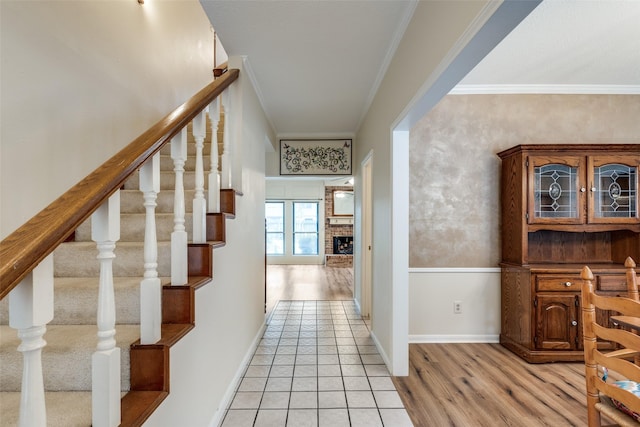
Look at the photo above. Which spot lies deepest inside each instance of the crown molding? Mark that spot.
(546, 89)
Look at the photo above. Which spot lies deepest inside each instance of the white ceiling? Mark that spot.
(317, 64)
(568, 46)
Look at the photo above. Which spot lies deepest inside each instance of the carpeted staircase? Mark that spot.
(71, 336)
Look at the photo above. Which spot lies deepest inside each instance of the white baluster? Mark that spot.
(105, 366)
(214, 175)
(30, 309)
(150, 286)
(179, 266)
(225, 175)
(199, 202)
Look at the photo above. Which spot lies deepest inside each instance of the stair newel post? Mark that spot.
(199, 202)
(150, 286)
(225, 175)
(214, 176)
(30, 309)
(105, 366)
(179, 239)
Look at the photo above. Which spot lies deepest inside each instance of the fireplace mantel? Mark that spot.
(341, 220)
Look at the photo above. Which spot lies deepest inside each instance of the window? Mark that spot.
(305, 228)
(294, 231)
(274, 214)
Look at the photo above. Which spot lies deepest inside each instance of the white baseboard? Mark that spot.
(434, 339)
(381, 351)
(228, 396)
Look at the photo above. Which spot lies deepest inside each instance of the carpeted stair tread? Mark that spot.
(66, 359)
(72, 335)
(167, 180)
(78, 259)
(64, 408)
(191, 146)
(132, 201)
(132, 227)
(166, 162)
(76, 298)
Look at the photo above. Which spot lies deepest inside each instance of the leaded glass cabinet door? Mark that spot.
(556, 191)
(613, 192)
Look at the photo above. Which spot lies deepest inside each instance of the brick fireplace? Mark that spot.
(334, 256)
(343, 245)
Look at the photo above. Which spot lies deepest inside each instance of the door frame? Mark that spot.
(366, 248)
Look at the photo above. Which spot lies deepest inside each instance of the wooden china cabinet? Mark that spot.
(563, 207)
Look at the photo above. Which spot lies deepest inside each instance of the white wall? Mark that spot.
(432, 293)
(207, 363)
(81, 79)
(432, 33)
(443, 42)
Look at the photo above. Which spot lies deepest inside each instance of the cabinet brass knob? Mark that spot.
(567, 284)
(574, 323)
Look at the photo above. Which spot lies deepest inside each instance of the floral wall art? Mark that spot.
(315, 157)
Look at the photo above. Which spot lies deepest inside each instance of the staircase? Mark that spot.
(71, 336)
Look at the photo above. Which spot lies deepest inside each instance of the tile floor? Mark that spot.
(316, 365)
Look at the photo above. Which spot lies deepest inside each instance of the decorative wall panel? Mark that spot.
(315, 157)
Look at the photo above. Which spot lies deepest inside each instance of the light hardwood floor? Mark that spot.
(486, 385)
(308, 282)
(462, 385)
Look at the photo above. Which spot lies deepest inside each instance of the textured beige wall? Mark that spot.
(454, 169)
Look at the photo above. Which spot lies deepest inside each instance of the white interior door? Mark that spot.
(366, 246)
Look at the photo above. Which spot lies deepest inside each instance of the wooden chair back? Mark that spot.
(602, 393)
(632, 279)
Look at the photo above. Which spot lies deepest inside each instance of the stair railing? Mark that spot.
(26, 269)
(105, 362)
(214, 174)
(179, 238)
(150, 286)
(227, 170)
(199, 202)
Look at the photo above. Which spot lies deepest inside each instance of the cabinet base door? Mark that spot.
(556, 322)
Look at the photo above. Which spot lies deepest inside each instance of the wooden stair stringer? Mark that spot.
(228, 202)
(150, 376)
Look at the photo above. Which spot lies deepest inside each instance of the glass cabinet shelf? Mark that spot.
(555, 191)
(615, 191)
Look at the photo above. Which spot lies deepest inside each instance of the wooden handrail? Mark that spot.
(220, 69)
(26, 247)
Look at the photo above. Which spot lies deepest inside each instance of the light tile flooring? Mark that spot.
(316, 365)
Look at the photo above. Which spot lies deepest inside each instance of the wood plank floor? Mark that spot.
(308, 282)
(462, 385)
(486, 385)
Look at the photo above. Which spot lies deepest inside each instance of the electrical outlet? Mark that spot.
(457, 307)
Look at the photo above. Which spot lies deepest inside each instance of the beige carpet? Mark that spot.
(71, 336)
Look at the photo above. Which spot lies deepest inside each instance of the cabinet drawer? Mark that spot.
(617, 282)
(558, 283)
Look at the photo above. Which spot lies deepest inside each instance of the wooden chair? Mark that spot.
(632, 279)
(603, 395)
(632, 292)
